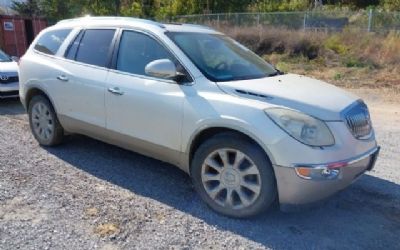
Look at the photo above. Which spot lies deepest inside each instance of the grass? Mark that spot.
(352, 59)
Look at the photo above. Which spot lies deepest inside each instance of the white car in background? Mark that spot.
(9, 85)
(246, 133)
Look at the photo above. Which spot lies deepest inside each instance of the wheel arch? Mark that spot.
(34, 91)
(203, 134)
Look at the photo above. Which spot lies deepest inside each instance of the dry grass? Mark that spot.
(352, 59)
(107, 229)
(273, 40)
(92, 212)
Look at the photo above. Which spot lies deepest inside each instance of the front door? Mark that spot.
(140, 107)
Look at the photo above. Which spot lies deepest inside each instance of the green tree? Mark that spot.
(165, 9)
(132, 8)
(29, 8)
(392, 5)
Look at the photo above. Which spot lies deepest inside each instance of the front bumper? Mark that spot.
(9, 90)
(296, 191)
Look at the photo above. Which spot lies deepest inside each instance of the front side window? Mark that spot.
(92, 47)
(136, 50)
(220, 58)
(50, 42)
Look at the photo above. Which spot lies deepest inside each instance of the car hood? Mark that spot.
(311, 96)
(8, 67)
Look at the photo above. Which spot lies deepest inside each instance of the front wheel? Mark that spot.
(233, 176)
(43, 121)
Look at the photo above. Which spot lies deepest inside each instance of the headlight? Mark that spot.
(304, 128)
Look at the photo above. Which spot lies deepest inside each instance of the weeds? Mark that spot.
(348, 48)
(350, 58)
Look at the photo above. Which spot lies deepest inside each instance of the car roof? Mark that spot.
(133, 23)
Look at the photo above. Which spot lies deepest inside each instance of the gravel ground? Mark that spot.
(86, 194)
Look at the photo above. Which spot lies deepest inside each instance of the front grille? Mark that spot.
(8, 79)
(358, 120)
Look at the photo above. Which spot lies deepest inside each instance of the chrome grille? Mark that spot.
(8, 79)
(358, 120)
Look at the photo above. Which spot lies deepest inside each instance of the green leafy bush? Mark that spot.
(335, 43)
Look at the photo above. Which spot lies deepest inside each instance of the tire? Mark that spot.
(43, 122)
(233, 179)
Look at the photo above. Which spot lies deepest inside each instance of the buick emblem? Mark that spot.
(3, 77)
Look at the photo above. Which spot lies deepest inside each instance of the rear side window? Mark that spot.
(92, 47)
(51, 41)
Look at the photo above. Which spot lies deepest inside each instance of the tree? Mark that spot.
(29, 8)
(393, 5)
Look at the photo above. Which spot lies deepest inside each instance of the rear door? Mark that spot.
(84, 75)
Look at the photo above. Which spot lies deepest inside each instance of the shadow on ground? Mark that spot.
(11, 106)
(362, 216)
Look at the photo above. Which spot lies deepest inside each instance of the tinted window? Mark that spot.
(136, 50)
(51, 41)
(94, 47)
(73, 47)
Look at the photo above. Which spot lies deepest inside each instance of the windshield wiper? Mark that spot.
(276, 73)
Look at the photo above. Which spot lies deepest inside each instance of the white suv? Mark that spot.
(245, 132)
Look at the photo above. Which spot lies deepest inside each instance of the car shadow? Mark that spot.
(11, 106)
(354, 217)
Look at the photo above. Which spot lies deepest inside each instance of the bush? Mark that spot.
(334, 43)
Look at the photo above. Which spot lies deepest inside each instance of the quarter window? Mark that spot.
(94, 47)
(50, 42)
(73, 47)
(136, 50)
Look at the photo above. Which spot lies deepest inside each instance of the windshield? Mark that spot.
(4, 57)
(221, 58)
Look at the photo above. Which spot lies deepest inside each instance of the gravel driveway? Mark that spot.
(86, 194)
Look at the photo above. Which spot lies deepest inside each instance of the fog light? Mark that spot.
(326, 172)
(317, 173)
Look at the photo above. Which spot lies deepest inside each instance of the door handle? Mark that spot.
(62, 78)
(115, 91)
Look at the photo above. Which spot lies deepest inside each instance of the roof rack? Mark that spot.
(198, 25)
(105, 18)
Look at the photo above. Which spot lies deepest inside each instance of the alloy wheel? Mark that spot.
(231, 178)
(42, 121)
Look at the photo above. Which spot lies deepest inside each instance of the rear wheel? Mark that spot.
(233, 176)
(44, 123)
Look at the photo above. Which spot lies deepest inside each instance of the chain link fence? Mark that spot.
(367, 20)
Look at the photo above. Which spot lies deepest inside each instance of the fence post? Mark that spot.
(370, 20)
(236, 19)
(305, 21)
(258, 19)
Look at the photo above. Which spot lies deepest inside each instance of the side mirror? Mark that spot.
(15, 58)
(162, 68)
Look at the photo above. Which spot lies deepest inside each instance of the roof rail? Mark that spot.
(190, 25)
(198, 25)
(100, 18)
